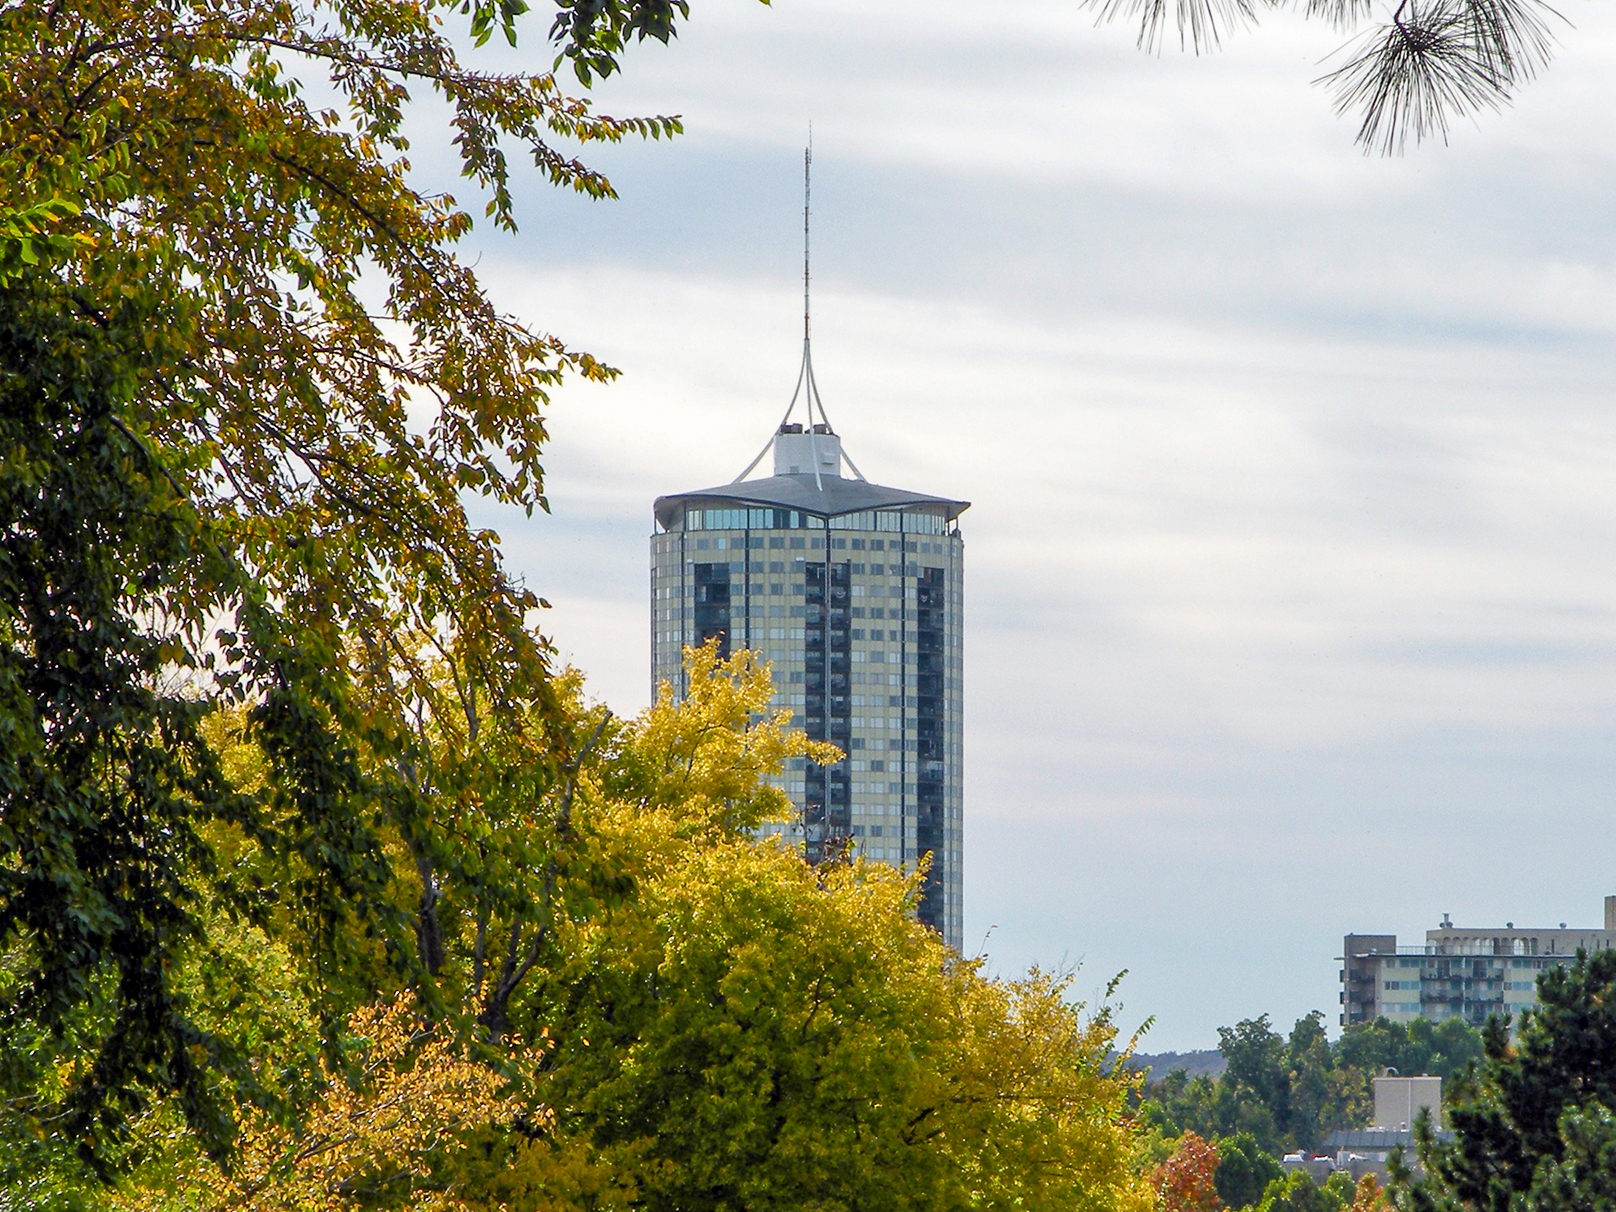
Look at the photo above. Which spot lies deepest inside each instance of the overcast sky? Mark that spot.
(1290, 574)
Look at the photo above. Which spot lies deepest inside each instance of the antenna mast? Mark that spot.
(807, 163)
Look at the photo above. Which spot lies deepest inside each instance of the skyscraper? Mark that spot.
(855, 593)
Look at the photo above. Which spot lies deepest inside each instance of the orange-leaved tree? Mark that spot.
(1184, 1180)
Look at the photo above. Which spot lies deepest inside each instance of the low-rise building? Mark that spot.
(1398, 1103)
(1461, 971)
(1399, 1100)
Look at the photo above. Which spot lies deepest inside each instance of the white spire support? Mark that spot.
(807, 387)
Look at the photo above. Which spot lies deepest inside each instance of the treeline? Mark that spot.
(1531, 1122)
(1279, 1094)
(1290, 1092)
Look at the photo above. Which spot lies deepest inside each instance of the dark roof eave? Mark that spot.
(837, 496)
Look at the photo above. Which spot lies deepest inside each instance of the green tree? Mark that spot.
(1297, 1192)
(246, 382)
(1255, 1053)
(1313, 1084)
(1293, 1092)
(1244, 1171)
(1534, 1129)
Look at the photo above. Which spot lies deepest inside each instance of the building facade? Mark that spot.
(854, 592)
(1460, 972)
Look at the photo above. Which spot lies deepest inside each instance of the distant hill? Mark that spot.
(1207, 1062)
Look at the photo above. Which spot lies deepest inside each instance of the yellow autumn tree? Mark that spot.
(704, 758)
(392, 1130)
(722, 1025)
(747, 1031)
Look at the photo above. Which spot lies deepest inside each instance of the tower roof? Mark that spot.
(808, 455)
(831, 497)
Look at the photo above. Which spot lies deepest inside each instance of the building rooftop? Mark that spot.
(830, 497)
(1378, 1138)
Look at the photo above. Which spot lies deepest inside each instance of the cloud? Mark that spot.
(1289, 573)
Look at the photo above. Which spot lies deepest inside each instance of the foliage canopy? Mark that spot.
(1280, 1093)
(246, 382)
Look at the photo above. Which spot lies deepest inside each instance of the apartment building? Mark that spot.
(1461, 971)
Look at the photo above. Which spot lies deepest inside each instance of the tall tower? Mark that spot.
(855, 594)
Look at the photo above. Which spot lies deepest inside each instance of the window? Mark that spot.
(878, 545)
(858, 545)
(798, 543)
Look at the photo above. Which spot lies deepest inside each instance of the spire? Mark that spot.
(807, 166)
(805, 375)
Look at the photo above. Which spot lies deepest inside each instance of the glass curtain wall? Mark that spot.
(861, 617)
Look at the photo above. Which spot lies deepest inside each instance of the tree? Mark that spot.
(1446, 1049)
(1297, 1192)
(711, 1021)
(1535, 1129)
(397, 1131)
(1244, 1171)
(1256, 1057)
(1407, 75)
(1185, 1180)
(1311, 1082)
(498, 885)
(1293, 1092)
(743, 1030)
(245, 383)
(1369, 1196)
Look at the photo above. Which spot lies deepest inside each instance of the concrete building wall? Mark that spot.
(1399, 1101)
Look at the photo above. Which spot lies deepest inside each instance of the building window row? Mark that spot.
(881, 520)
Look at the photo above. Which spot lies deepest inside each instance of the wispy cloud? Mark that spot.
(1292, 565)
